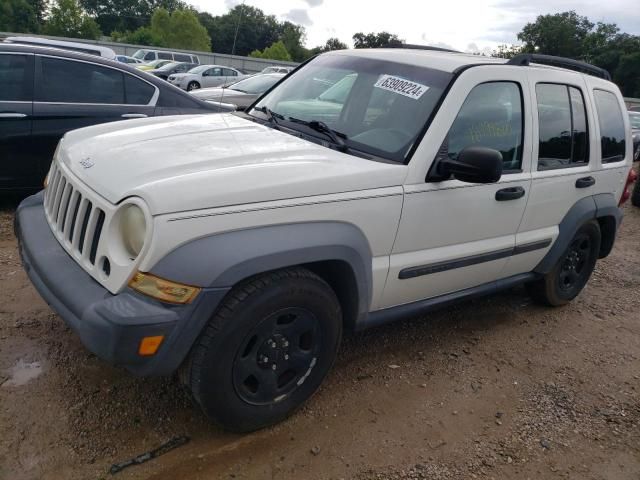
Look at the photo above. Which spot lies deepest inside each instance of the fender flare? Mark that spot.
(222, 260)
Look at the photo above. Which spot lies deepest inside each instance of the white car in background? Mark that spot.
(204, 76)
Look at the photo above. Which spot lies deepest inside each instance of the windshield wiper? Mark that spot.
(272, 116)
(322, 127)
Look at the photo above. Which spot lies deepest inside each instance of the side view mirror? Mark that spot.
(473, 165)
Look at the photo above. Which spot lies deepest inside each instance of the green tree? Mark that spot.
(277, 51)
(18, 16)
(375, 40)
(293, 37)
(180, 29)
(627, 75)
(506, 51)
(332, 44)
(127, 15)
(68, 19)
(561, 34)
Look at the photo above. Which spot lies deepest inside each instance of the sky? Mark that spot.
(466, 25)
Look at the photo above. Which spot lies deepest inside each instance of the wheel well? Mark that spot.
(608, 235)
(340, 277)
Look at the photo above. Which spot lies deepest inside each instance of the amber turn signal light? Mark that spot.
(149, 345)
(162, 289)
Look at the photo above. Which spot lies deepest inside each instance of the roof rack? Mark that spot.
(419, 47)
(524, 59)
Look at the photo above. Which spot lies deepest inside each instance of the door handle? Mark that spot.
(511, 193)
(13, 115)
(585, 182)
(133, 115)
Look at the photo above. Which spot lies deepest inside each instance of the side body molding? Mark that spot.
(603, 205)
(224, 259)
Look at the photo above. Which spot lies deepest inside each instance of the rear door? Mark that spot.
(212, 77)
(18, 158)
(72, 94)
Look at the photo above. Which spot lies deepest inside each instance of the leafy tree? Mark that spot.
(127, 15)
(375, 40)
(627, 75)
(180, 29)
(293, 37)
(18, 16)
(68, 19)
(561, 34)
(277, 51)
(507, 51)
(332, 44)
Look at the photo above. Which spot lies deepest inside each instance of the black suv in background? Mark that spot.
(46, 92)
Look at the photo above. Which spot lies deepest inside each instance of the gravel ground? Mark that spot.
(495, 388)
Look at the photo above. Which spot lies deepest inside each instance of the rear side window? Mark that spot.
(562, 121)
(137, 92)
(491, 117)
(68, 81)
(16, 78)
(165, 56)
(178, 57)
(612, 131)
(229, 73)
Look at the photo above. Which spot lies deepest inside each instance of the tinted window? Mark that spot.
(612, 131)
(137, 92)
(150, 56)
(178, 57)
(214, 72)
(229, 73)
(16, 83)
(491, 116)
(165, 56)
(78, 82)
(562, 121)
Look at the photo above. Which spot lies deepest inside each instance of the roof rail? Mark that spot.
(524, 59)
(419, 47)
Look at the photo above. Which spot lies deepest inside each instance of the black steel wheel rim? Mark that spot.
(277, 356)
(575, 264)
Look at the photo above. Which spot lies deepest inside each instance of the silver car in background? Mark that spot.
(204, 76)
(239, 95)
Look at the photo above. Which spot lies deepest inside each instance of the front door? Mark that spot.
(455, 235)
(18, 164)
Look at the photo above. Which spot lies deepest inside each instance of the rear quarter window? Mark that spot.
(612, 131)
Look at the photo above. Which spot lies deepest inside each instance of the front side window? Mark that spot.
(165, 56)
(562, 122)
(491, 117)
(612, 131)
(339, 91)
(68, 81)
(181, 57)
(16, 81)
(150, 56)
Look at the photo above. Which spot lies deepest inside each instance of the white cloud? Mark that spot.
(456, 23)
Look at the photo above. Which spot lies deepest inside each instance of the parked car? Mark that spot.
(147, 55)
(204, 76)
(46, 92)
(91, 49)
(169, 69)
(155, 64)
(126, 59)
(277, 69)
(239, 247)
(241, 94)
(634, 119)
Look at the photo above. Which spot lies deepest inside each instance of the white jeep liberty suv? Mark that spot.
(366, 186)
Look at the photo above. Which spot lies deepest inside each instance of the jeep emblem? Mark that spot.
(86, 162)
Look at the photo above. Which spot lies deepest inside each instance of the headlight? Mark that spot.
(133, 227)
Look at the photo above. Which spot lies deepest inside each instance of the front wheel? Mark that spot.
(266, 350)
(572, 271)
(193, 86)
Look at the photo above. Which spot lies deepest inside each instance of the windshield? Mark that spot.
(139, 54)
(377, 107)
(635, 120)
(200, 69)
(257, 84)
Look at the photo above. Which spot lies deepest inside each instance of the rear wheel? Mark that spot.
(635, 195)
(193, 86)
(572, 271)
(267, 349)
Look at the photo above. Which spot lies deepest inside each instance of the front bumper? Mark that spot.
(110, 326)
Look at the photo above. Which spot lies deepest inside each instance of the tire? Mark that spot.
(635, 194)
(572, 271)
(266, 350)
(193, 86)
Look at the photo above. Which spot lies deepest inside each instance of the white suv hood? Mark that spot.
(203, 161)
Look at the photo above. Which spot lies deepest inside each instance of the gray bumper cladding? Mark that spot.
(110, 326)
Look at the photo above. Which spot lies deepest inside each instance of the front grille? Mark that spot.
(73, 217)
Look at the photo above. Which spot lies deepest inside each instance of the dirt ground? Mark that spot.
(495, 388)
